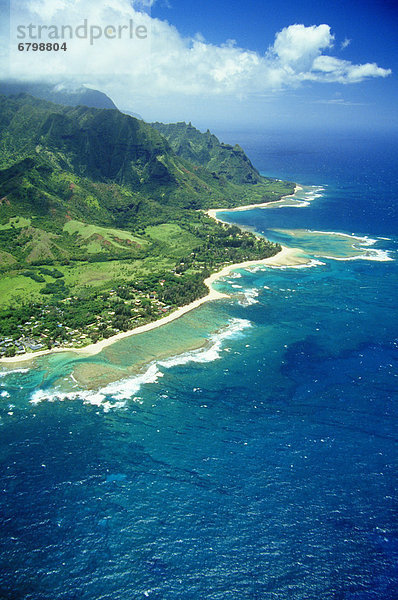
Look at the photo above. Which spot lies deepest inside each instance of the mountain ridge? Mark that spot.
(60, 93)
(101, 218)
(205, 149)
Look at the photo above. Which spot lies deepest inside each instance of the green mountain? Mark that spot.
(204, 149)
(111, 168)
(93, 200)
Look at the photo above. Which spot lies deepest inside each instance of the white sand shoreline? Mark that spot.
(212, 212)
(286, 257)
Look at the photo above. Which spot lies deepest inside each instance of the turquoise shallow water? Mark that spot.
(254, 455)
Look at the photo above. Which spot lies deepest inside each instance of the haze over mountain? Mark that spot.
(224, 66)
(60, 93)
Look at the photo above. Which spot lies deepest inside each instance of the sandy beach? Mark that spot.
(286, 257)
(212, 212)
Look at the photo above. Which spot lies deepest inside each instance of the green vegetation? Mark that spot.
(223, 161)
(16, 223)
(102, 222)
(97, 238)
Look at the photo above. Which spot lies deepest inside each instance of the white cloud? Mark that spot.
(166, 64)
(328, 68)
(356, 73)
(339, 102)
(298, 46)
(345, 44)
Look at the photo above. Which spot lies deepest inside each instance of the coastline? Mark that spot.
(212, 212)
(286, 257)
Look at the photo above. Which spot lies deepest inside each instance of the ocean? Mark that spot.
(246, 451)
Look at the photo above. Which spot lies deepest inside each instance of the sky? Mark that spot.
(253, 65)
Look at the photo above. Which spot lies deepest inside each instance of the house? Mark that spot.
(32, 344)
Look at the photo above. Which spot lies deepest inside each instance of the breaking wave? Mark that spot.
(11, 372)
(116, 394)
(376, 255)
(249, 297)
(311, 263)
(308, 196)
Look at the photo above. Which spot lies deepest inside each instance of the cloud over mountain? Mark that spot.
(165, 63)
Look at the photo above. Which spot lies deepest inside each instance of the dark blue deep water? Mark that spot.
(262, 467)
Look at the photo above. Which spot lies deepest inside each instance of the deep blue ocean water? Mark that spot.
(261, 466)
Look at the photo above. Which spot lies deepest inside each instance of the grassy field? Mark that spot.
(14, 290)
(104, 274)
(170, 240)
(115, 237)
(7, 259)
(175, 240)
(16, 223)
(80, 277)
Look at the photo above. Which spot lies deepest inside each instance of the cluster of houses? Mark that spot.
(31, 340)
(20, 346)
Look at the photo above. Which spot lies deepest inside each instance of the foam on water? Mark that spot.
(298, 204)
(6, 373)
(119, 391)
(363, 239)
(204, 355)
(376, 255)
(300, 199)
(195, 356)
(126, 389)
(361, 243)
(250, 297)
(311, 263)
